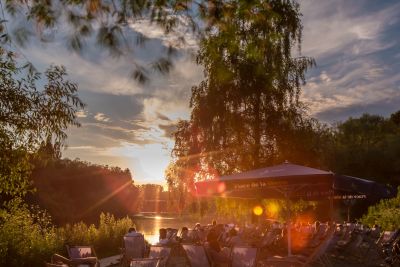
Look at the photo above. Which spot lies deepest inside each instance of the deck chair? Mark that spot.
(82, 256)
(196, 236)
(134, 248)
(196, 255)
(171, 233)
(316, 257)
(243, 256)
(319, 254)
(145, 262)
(345, 238)
(387, 237)
(319, 236)
(162, 252)
(268, 239)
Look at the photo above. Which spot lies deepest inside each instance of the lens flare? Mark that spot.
(273, 208)
(221, 187)
(257, 210)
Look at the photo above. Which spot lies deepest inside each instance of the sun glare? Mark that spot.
(258, 210)
(273, 208)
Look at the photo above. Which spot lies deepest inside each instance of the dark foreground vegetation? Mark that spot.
(28, 237)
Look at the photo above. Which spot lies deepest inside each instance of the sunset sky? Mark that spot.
(356, 45)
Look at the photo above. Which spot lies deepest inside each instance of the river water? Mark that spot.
(149, 225)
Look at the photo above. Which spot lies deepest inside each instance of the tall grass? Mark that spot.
(27, 237)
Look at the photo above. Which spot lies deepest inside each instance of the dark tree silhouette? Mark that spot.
(29, 116)
(248, 106)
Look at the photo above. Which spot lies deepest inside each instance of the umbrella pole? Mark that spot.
(289, 231)
(289, 237)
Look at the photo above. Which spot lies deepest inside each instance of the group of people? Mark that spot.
(270, 236)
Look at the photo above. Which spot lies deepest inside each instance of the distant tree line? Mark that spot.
(74, 190)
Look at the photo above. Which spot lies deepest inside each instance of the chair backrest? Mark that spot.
(196, 255)
(145, 262)
(244, 256)
(321, 248)
(134, 246)
(346, 235)
(386, 237)
(171, 233)
(192, 234)
(161, 252)
(78, 252)
(268, 239)
(351, 226)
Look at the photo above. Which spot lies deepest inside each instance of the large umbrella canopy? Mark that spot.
(291, 181)
(281, 181)
(349, 187)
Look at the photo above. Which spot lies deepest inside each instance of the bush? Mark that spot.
(386, 213)
(106, 238)
(27, 237)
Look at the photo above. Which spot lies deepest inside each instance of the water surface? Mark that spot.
(150, 224)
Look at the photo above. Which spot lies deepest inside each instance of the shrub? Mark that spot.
(386, 213)
(27, 237)
(106, 238)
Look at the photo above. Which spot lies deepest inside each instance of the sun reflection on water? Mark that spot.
(149, 225)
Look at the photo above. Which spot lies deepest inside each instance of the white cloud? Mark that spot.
(81, 114)
(332, 26)
(362, 85)
(347, 42)
(152, 30)
(101, 117)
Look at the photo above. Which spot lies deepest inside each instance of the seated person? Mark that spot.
(185, 238)
(375, 231)
(218, 255)
(317, 231)
(134, 245)
(132, 232)
(224, 236)
(234, 239)
(197, 226)
(163, 240)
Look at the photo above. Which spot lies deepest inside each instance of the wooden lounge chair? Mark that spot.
(319, 254)
(162, 252)
(82, 255)
(196, 255)
(172, 233)
(387, 237)
(316, 256)
(345, 238)
(244, 256)
(269, 238)
(145, 262)
(134, 248)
